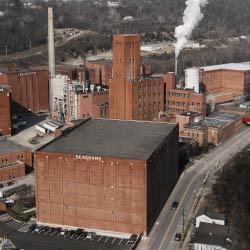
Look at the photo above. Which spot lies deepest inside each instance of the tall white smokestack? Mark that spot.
(191, 17)
(51, 50)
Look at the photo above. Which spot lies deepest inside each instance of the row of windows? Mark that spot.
(150, 96)
(149, 105)
(177, 103)
(175, 110)
(198, 104)
(19, 157)
(193, 134)
(177, 94)
(149, 87)
(154, 103)
(85, 115)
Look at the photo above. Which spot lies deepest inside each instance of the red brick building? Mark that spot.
(5, 112)
(102, 71)
(13, 158)
(131, 95)
(75, 100)
(181, 100)
(116, 179)
(232, 77)
(93, 104)
(185, 118)
(215, 128)
(29, 88)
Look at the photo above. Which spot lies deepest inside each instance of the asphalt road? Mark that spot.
(170, 221)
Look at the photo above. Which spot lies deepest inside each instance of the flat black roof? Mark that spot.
(112, 138)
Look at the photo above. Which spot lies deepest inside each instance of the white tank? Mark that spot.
(92, 88)
(192, 79)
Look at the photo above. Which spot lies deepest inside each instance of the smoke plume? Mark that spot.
(191, 17)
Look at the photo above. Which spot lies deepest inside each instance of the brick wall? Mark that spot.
(10, 171)
(23, 156)
(5, 113)
(235, 81)
(93, 105)
(29, 90)
(102, 72)
(107, 195)
(201, 136)
(183, 100)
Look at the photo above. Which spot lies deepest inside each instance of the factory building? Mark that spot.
(186, 98)
(102, 71)
(93, 104)
(29, 88)
(115, 179)
(5, 112)
(13, 159)
(227, 78)
(214, 129)
(133, 95)
(237, 107)
(73, 100)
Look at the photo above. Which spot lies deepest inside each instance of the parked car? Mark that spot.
(177, 236)
(36, 230)
(70, 233)
(132, 239)
(9, 183)
(83, 235)
(89, 236)
(66, 232)
(78, 233)
(32, 227)
(175, 204)
(50, 231)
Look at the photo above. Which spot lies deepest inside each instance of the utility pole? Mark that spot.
(183, 220)
(6, 49)
(217, 164)
(205, 168)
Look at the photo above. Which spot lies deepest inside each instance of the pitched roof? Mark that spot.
(211, 214)
(211, 234)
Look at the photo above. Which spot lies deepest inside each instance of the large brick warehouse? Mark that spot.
(111, 175)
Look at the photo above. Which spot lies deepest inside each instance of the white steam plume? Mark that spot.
(191, 17)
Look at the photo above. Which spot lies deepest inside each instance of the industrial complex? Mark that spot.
(110, 138)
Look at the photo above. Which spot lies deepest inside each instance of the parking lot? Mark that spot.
(31, 236)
